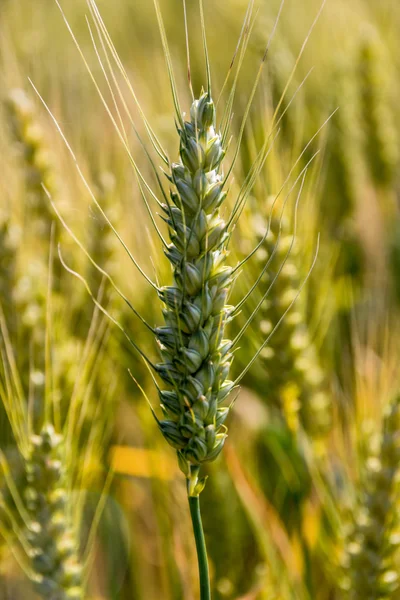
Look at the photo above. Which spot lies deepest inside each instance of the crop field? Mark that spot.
(199, 300)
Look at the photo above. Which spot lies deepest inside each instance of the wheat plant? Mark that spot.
(35, 158)
(43, 488)
(293, 379)
(373, 541)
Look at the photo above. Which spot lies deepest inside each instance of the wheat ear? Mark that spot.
(381, 135)
(42, 518)
(295, 379)
(35, 157)
(53, 543)
(369, 561)
(196, 358)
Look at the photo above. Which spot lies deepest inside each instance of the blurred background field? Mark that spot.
(305, 490)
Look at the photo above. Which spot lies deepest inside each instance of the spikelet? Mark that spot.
(35, 160)
(54, 547)
(369, 560)
(196, 357)
(293, 381)
(380, 131)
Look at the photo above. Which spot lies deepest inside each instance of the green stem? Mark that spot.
(194, 503)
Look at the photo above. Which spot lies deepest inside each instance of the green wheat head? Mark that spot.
(381, 134)
(46, 470)
(27, 289)
(54, 545)
(345, 145)
(196, 357)
(371, 570)
(35, 158)
(294, 381)
(36, 505)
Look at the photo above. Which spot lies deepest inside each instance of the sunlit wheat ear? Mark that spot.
(370, 560)
(35, 157)
(293, 378)
(54, 546)
(42, 508)
(346, 143)
(381, 133)
(44, 537)
(29, 287)
(39, 524)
